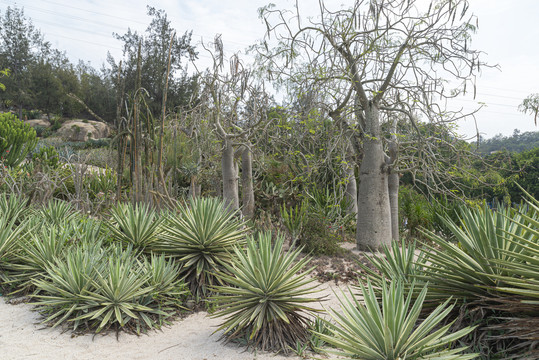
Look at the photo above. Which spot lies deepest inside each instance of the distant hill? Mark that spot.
(518, 142)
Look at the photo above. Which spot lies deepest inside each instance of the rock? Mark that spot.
(79, 130)
(38, 123)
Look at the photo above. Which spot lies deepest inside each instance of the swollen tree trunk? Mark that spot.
(351, 189)
(230, 176)
(248, 208)
(374, 215)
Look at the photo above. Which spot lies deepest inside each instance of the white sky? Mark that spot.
(508, 33)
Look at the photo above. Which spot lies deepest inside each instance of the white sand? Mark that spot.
(23, 337)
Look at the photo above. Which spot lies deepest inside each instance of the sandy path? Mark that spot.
(23, 337)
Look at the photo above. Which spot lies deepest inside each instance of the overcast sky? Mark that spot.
(508, 34)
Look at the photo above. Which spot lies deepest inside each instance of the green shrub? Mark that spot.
(99, 288)
(17, 139)
(135, 225)
(318, 237)
(414, 211)
(202, 237)
(47, 156)
(390, 329)
(265, 300)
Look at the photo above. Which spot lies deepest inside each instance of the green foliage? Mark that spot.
(47, 156)
(202, 237)
(318, 237)
(414, 211)
(102, 183)
(294, 219)
(16, 140)
(12, 207)
(264, 299)
(102, 288)
(390, 329)
(135, 225)
(468, 269)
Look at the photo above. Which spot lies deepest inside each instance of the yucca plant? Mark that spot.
(13, 207)
(391, 329)
(62, 287)
(137, 225)
(95, 288)
(485, 239)
(38, 251)
(58, 212)
(169, 287)
(202, 237)
(265, 300)
(10, 242)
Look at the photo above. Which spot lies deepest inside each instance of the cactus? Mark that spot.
(17, 139)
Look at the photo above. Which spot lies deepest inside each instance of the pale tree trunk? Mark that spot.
(374, 214)
(248, 206)
(230, 176)
(393, 187)
(351, 188)
(393, 181)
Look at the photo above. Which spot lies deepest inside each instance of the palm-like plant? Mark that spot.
(264, 299)
(486, 240)
(58, 212)
(97, 288)
(137, 225)
(294, 219)
(12, 207)
(202, 238)
(10, 239)
(389, 330)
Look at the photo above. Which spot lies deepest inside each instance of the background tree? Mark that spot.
(154, 61)
(390, 55)
(530, 105)
(20, 44)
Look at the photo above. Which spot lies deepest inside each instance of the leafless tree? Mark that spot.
(375, 61)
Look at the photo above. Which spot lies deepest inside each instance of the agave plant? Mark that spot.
(10, 241)
(390, 329)
(12, 207)
(265, 300)
(100, 289)
(137, 225)
(58, 212)
(472, 267)
(202, 238)
(62, 287)
(38, 251)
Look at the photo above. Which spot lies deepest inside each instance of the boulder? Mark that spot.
(83, 130)
(38, 123)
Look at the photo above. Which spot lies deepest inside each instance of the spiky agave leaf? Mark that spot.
(265, 299)
(137, 225)
(202, 237)
(389, 329)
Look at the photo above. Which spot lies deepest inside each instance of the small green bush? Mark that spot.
(17, 139)
(318, 237)
(47, 157)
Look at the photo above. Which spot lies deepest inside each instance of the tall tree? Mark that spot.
(20, 44)
(390, 56)
(155, 43)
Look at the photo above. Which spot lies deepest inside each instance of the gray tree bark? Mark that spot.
(393, 187)
(374, 214)
(248, 203)
(393, 181)
(351, 188)
(230, 176)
